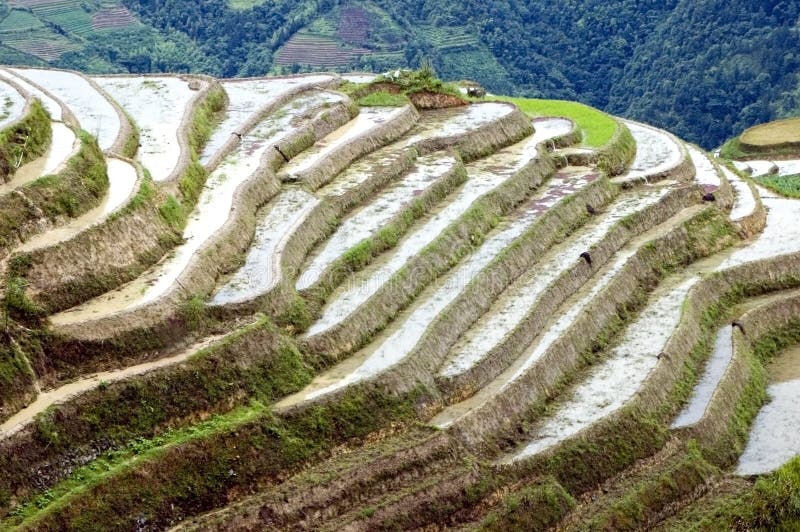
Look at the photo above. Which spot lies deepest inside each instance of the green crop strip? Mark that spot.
(131, 146)
(786, 185)
(598, 127)
(206, 117)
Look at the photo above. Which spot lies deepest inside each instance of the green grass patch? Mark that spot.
(244, 4)
(383, 99)
(535, 507)
(16, 377)
(173, 213)
(131, 146)
(597, 126)
(787, 185)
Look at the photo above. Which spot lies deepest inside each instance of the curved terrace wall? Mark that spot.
(743, 372)
(568, 283)
(106, 341)
(51, 200)
(114, 252)
(333, 163)
(638, 429)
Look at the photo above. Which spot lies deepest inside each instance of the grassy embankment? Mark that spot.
(770, 502)
(24, 141)
(597, 127)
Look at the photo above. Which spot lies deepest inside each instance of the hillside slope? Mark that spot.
(349, 302)
(703, 69)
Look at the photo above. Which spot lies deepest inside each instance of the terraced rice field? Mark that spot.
(42, 42)
(52, 106)
(247, 97)
(373, 318)
(62, 146)
(94, 112)
(158, 106)
(113, 17)
(11, 104)
(318, 51)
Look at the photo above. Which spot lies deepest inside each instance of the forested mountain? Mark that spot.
(702, 68)
(710, 69)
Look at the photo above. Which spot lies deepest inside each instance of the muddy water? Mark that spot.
(656, 152)
(68, 391)
(786, 366)
(157, 106)
(12, 104)
(715, 369)
(368, 118)
(781, 234)
(617, 379)
(760, 168)
(122, 180)
(276, 224)
(745, 203)
(516, 303)
(246, 97)
(457, 120)
(94, 113)
(212, 211)
(483, 176)
(62, 147)
(562, 321)
(393, 349)
(705, 171)
(775, 434)
(53, 107)
(367, 221)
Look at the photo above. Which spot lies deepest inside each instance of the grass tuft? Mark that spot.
(383, 99)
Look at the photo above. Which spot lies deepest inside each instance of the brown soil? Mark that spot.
(433, 100)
